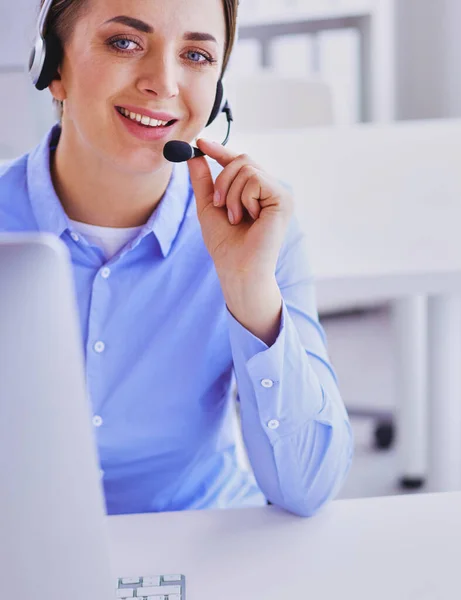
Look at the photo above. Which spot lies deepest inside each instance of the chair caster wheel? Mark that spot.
(384, 436)
(412, 483)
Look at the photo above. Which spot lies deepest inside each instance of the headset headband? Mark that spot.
(43, 17)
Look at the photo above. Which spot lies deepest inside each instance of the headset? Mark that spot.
(46, 57)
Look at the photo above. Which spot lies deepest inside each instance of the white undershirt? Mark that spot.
(109, 239)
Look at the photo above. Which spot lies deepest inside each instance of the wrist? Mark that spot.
(256, 303)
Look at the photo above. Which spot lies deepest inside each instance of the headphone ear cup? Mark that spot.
(217, 103)
(53, 57)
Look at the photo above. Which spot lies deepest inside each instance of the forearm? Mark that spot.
(296, 429)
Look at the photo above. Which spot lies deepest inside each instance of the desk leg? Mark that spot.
(409, 319)
(444, 320)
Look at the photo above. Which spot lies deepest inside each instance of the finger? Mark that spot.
(217, 151)
(250, 198)
(202, 182)
(251, 195)
(236, 200)
(228, 174)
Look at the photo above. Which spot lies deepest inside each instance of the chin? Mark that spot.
(142, 160)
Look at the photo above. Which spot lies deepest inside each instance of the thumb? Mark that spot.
(202, 182)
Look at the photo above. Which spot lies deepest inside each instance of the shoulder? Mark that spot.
(15, 212)
(13, 178)
(294, 263)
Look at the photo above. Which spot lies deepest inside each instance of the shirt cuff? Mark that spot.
(277, 376)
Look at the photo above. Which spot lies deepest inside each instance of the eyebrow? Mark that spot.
(196, 36)
(133, 23)
(190, 36)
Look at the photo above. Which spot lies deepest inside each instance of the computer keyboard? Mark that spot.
(158, 587)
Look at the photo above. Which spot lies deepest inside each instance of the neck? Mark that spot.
(94, 191)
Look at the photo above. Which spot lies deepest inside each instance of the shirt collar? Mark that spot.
(46, 206)
(165, 222)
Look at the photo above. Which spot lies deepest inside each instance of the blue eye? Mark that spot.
(124, 44)
(197, 57)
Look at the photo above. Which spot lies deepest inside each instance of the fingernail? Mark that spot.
(231, 216)
(217, 198)
(211, 142)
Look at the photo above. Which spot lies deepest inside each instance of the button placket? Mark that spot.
(99, 305)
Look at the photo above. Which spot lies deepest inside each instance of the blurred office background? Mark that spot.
(381, 61)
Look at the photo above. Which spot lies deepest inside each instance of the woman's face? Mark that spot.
(142, 58)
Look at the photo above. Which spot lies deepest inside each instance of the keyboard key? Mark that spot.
(171, 578)
(163, 590)
(174, 597)
(159, 597)
(124, 593)
(131, 580)
(150, 581)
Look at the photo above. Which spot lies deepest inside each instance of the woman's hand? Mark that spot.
(244, 216)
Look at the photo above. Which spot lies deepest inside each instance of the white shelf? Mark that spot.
(273, 13)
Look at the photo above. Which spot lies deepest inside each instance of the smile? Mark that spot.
(143, 119)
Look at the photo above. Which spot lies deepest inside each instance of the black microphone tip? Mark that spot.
(176, 151)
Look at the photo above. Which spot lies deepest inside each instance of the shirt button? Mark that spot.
(274, 424)
(75, 236)
(97, 421)
(99, 347)
(105, 273)
(267, 383)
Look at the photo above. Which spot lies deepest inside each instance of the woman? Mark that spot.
(184, 275)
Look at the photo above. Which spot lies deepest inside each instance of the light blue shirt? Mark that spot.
(162, 353)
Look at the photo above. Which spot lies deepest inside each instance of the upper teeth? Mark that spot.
(143, 119)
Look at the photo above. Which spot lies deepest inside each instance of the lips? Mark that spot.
(144, 120)
(146, 112)
(151, 129)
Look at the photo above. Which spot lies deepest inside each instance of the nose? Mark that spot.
(159, 78)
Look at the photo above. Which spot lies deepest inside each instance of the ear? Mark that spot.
(57, 88)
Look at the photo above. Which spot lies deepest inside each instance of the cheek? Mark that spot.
(201, 100)
(93, 80)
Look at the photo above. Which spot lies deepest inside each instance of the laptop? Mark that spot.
(53, 538)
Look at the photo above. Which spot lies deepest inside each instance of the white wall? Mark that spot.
(25, 114)
(428, 64)
(17, 18)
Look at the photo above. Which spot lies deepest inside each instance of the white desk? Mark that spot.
(402, 548)
(381, 206)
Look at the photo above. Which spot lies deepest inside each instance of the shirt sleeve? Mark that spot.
(294, 422)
